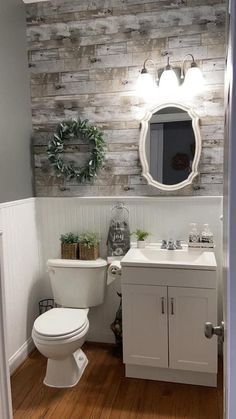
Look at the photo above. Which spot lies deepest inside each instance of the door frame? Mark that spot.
(5, 387)
(229, 242)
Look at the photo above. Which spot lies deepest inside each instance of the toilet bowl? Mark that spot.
(60, 332)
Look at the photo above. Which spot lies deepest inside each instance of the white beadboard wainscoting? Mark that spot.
(31, 231)
(163, 217)
(21, 275)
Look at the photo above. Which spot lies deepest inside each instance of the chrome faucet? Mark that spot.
(171, 245)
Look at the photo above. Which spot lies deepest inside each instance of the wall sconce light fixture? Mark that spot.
(191, 79)
(146, 82)
(168, 80)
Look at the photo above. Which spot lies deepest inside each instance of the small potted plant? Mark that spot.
(89, 246)
(141, 236)
(69, 246)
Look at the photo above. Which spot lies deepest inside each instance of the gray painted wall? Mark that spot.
(85, 57)
(15, 115)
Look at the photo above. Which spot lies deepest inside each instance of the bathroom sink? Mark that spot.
(179, 259)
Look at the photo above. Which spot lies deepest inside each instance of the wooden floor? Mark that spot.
(104, 392)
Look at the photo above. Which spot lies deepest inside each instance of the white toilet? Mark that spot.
(59, 333)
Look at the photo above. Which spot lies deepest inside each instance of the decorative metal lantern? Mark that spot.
(118, 240)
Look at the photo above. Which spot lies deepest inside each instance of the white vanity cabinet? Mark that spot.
(189, 310)
(164, 313)
(145, 325)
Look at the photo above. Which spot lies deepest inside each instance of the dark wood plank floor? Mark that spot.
(104, 392)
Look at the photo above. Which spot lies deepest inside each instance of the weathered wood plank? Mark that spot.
(147, 44)
(215, 132)
(214, 64)
(211, 168)
(76, 101)
(216, 178)
(85, 63)
(212, 155)
(103, 125)
(215, 38)
(184, 41)
(95, 115)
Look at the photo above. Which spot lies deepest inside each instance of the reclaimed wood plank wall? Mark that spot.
(84, 59)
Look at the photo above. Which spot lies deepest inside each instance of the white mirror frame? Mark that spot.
(142, 147)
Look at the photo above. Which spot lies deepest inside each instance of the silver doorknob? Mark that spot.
(210, 330)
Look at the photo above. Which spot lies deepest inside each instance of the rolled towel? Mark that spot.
(114, 271)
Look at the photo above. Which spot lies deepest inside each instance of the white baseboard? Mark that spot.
(100, 337)
(16, 360)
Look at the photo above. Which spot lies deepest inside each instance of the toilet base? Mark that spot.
(64, 373)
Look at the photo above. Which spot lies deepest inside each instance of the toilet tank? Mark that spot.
(78, 283)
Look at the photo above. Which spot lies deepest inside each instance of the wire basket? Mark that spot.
(46, 305)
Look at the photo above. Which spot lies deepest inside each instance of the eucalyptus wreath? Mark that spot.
(69, 130)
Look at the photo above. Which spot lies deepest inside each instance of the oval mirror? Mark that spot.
(170, 146)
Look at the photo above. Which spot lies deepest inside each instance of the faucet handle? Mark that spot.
(164, 244)
(178, 244)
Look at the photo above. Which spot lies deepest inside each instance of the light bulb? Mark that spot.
(168, 81)
(145, 84)
(193, 81)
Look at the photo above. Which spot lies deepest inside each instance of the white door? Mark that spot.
(5, 389)
(189, 309)
(145, 327)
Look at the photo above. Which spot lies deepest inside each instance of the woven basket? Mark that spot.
(88, 253)
(69, 250)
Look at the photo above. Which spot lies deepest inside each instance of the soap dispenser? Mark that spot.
(207, 235)
(193, 234)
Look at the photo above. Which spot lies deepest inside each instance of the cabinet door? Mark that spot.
(145, 325)
(189, 309)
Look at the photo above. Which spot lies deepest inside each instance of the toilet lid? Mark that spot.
(60, 321)
(77, 263)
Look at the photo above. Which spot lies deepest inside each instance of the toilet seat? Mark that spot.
(61, 339)
(61, 323)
